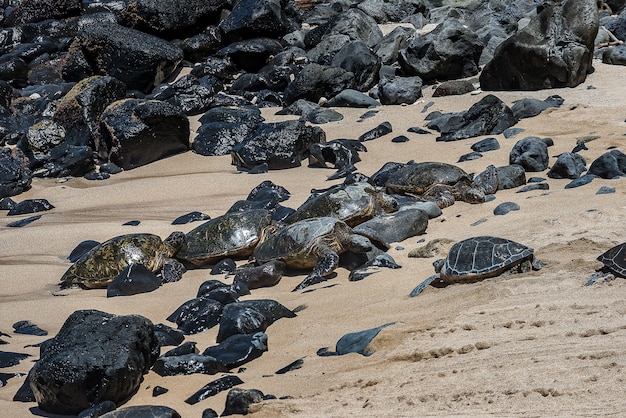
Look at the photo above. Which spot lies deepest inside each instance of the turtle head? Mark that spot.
(173, 243)
(359, 244)
(438, 264)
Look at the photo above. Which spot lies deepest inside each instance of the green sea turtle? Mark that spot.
(353, 204)
(614, 265)
(311, 243)
(233, 234)
(441, 183)
(101, 264)
(478, 258)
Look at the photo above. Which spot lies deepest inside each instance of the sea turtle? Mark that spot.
(311, 243)
(478, 258)
(354, 203)
(614, 265)
(229, 235)
(101, 264)
(441, 183)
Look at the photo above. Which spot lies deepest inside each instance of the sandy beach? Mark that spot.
(533, 344)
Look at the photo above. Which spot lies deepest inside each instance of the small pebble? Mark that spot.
(606, 190)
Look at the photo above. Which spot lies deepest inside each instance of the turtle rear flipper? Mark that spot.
(420, 287)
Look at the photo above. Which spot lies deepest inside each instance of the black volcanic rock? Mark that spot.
(137, 132)
(489, 116)
(106, 48)
(554, 50)
(450, 51)
(28, 11)
(531, 153)
(260, 18)
(170, 19)
(568, 165)
(95, 357)
(279, 145)
(609, 165)
(80, 109)
(316, 81)
(15, 174)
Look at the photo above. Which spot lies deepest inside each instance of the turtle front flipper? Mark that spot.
(310, 280)
(325, 265)
(420, 287)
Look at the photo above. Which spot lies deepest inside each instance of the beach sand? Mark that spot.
(533, 344)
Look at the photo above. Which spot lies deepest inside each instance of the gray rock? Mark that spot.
(568, 166)
(580, 181)
(609, 165)
(450, 51)
(324, 52)
(394, 227)
(453, 88)
(352, 98)
(399, 90)
(357, 58)
(95, 357)
(531, 153)
(316, 81)
(353, 22)
(554, 50)
(489, 116)
(511, 176)
(390, 45)
(487, 144)
(526, 108)
(505, 207)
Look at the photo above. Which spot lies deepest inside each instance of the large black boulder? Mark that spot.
(27, 11)
(170, 19)
(279, 145)
(260, 18)
(489, 116)
(137, 131)
(80, 109)
(223, 127)
(251, 54)
(193, 95)
(358, 58)
(353, 23)
(95, 357)
(531, 153)
(610, 165)
(15, 174)
(399, 90)
(554, 50)
(316, 81)
(449, 52)
(140, 60)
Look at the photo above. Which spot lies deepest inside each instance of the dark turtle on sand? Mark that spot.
(233, 234)
(478, 258)
(311, 243)
(101, 264)
(441, 183)
(614, 261)
(354, 204)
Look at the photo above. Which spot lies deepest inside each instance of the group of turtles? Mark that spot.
(314, 235)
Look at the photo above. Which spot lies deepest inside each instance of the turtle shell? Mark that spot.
(481, 257)
(615, 259)
(101, 264)
(418, 178)
(229, 235)
(353, 204)
(296, 244)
